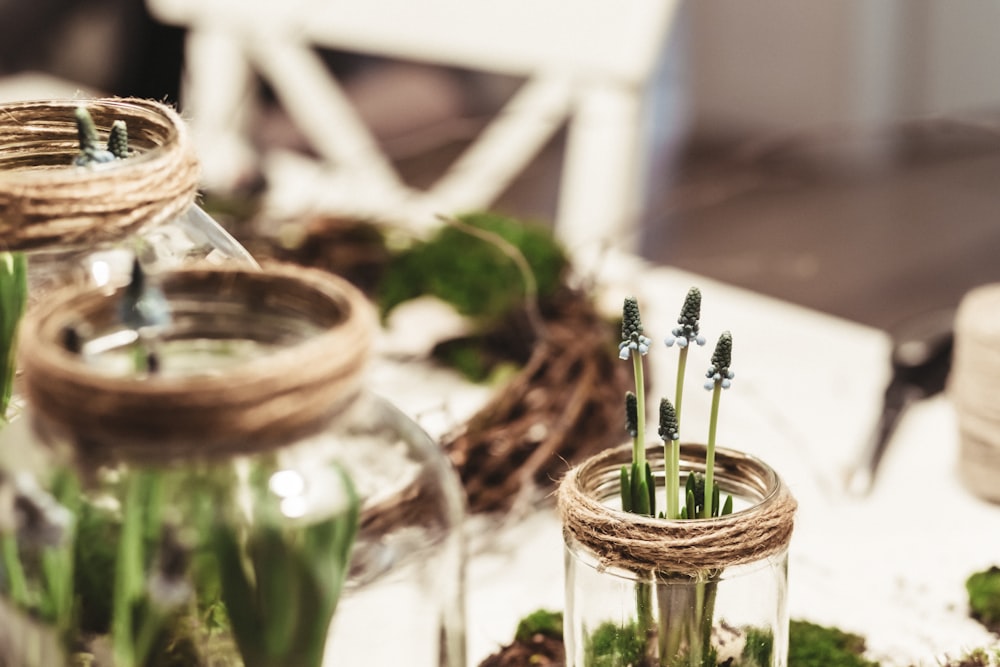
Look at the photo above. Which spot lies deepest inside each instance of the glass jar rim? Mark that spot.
(45, 199)
(684, 546)
(260, 403)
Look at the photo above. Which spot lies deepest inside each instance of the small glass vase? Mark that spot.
(222, 489)
(648, 592)
(62, 223)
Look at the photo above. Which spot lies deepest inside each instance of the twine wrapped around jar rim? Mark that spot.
(265, 402)
(45, 199)
(682, 547)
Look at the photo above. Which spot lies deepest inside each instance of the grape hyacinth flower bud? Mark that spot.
(719, 371)
(631, 414)
(687, 331)
(118, 140)
(91, 150)
(632, 338)
(668, 421)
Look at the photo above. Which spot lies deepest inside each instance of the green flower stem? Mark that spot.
(128, 573)
(150, 626)
(706, 511)
(644, 608)
(682, 357)
(672, 455)
(57, 570)
(639, 443)
(13, 297)
(708, 614)
(14, 571)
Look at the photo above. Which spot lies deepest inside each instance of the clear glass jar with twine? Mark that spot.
(64, 219)
(220, 488)
(647, 591)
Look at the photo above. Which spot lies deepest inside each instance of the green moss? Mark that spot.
(759, 648)
(470, 273)
(978, 657)
(984, 597)
(542, 621)
(612, 645)
(812, 645)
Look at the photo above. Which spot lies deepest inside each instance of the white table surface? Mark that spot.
(806, 397)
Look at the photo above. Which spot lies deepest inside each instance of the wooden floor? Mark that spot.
(819, 221)
(872, 242)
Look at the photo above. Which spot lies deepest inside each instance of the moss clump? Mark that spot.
(472, 274)
(812, 645)
(979, 657)
(612, 645)
(540, 622)
(759, 647)
(984, 597)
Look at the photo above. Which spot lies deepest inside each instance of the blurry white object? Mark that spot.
(590, 61)
(26, 86)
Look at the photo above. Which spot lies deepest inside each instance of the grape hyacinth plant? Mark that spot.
(680, 635)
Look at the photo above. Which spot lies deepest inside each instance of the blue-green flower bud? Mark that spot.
(91, 150)
(631, 414)
(118, 140)
(631, 322)
(719, 372)
(668, 421)
(687, 330)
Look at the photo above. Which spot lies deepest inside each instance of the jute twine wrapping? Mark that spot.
(266, 402)
(973, 386)
(44, 199)
(689, 547)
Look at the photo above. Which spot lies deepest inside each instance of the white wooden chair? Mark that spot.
(589, 61)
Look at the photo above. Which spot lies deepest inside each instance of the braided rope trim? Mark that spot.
(266, 402)
(44, 199)
(680, 547)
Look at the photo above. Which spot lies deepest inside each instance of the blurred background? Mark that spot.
(844, 156)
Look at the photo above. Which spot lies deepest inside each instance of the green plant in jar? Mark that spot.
(674, 555)
(112, 559)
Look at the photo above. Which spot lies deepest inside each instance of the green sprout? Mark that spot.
(13, 298)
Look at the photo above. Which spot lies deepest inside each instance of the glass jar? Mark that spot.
(63, 223)
(645, 591)
(226, 490)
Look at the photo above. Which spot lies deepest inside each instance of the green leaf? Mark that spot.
(651, 489)
(727, 509)
(640, 494)
(13, 298)
(238, 594)
(626, 490)
(279, 597)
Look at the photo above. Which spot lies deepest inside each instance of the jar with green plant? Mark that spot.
(86, 186)
(676, 553)
(203, 479)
